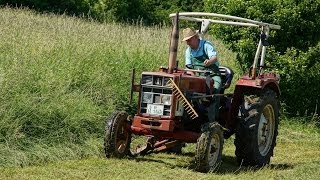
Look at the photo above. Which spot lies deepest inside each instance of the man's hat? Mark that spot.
(188, 33)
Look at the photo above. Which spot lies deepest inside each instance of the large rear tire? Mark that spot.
(209, 148)
(117, 137)
(258, 129)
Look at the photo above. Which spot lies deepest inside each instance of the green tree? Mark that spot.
(147, 11)
(294, 48)
(57, 6)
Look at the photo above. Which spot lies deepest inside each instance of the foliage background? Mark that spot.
(294, 52)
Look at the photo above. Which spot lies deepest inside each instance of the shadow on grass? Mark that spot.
(148, 158)
(229, 164)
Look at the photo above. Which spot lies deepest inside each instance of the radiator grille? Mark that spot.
(156, 95)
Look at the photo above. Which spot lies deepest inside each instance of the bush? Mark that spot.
(57, 6)
(147, 11)
(295, 46)
(300, 82)
(299, 20)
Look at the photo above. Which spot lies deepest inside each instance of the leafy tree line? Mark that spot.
(148, 11)
(293, 51)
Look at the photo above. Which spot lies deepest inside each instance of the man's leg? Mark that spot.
(217, 84)
(213, 109)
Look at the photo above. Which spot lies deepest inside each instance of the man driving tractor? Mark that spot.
(202, 55)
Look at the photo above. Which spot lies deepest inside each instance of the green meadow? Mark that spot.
(62, 76)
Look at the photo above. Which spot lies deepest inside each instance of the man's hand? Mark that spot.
(208, 62)
(189, 73)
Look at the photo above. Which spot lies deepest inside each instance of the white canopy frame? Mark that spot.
(236, 21)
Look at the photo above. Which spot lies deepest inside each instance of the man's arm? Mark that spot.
(188, 61)
(210, 61)
(211, 53)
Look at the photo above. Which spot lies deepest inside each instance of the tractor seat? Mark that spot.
(226, 77)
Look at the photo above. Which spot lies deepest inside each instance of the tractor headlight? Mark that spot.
(166, 100)
(158, 81)
(147, 98)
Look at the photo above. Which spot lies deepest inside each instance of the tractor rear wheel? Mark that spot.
(117, 137)
(209, 148)
(258, 129)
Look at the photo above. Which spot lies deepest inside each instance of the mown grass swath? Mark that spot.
(297, 156)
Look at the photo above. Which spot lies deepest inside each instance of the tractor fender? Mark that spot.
(245, 85)
(258, 84)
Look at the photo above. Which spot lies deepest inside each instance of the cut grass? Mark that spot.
(296, 156)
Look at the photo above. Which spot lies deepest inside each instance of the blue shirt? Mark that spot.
(208, 48)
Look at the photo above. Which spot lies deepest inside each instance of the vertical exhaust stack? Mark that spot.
(174, 44)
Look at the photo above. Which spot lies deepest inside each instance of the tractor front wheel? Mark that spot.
(117, 137)
(209, 148)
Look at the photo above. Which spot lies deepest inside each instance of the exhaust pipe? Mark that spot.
(174, 44)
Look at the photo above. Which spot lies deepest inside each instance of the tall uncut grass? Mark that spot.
(60, 77)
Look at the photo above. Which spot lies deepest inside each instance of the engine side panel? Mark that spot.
(194, 84)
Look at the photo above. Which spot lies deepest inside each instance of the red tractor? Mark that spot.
(171, 107)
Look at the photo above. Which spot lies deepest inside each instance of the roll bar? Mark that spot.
(236, 21)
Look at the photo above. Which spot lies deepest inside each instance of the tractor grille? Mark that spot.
(156, 95)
